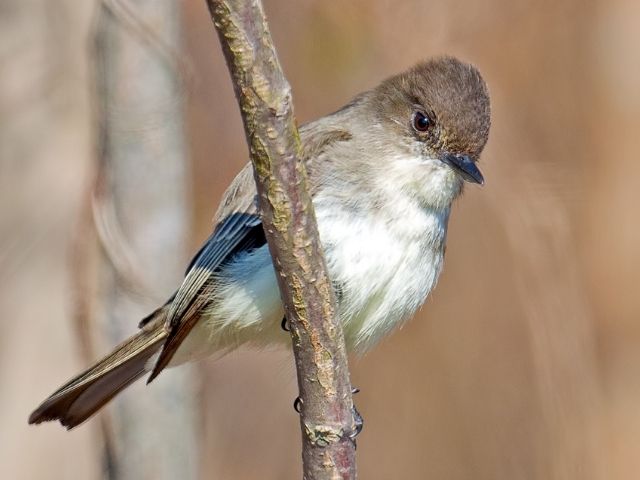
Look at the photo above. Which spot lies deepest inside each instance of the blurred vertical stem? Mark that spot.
(142, 216)
(289, 222)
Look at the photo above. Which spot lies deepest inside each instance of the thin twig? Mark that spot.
(289, 222)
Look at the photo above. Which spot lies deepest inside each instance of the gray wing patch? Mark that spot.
(238, 224)
(238, 228)
(236, 217)
(237, 232)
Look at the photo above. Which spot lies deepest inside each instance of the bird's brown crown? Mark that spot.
(453, 97)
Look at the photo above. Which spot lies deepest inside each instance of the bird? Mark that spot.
(383, 173)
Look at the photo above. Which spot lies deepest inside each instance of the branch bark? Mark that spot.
(264, 96)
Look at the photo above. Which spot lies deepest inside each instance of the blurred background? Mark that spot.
(118, 133)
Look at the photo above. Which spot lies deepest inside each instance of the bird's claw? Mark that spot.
(297, 404)
(285, 324)
(358, 421)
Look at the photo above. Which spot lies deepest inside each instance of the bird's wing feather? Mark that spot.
(238, 227)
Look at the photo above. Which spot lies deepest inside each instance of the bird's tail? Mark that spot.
(85, 394)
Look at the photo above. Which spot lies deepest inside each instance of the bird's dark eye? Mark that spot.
(421, 122)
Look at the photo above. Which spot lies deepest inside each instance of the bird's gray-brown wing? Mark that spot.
(238, 228)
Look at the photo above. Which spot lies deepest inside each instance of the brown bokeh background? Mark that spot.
(523, 364)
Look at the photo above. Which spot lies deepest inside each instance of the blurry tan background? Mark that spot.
(523, 364)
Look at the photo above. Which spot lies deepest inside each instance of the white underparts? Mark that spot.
(384, 262)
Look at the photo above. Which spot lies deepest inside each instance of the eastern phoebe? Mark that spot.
(383, 172)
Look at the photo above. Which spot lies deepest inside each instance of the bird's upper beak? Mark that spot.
(465, 167)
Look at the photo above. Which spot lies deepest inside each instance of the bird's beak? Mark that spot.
(465, 167)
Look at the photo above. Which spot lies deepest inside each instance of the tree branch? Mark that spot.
(289, 222)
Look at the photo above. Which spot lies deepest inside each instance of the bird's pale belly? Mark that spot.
(381, 279)
(383, 276)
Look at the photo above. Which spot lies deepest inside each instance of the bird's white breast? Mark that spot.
(383, 264)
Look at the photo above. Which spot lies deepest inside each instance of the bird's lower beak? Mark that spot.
(465, 167)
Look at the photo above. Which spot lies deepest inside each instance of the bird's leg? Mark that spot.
(358, 421)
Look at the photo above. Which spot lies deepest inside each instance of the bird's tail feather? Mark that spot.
(85, 394)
